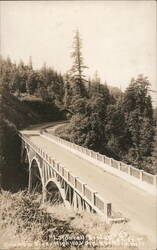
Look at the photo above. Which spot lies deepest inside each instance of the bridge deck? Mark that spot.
(132, 202)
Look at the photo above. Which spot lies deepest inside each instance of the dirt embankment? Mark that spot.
(25, 223)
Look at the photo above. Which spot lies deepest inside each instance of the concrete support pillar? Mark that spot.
(66, 190)
(44, 194)
(75, 200)
(88, 208)
(30, 181)
(83, 204)
(108, 210)
(93, 197)
(69, 197)
(80, 204)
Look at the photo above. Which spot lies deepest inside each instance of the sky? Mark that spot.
(118, 37)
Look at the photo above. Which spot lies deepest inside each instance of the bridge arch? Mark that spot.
(55, 193)
(51, 189)
(35, 159)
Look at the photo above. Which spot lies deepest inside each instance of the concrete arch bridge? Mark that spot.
(84, 179)
(47, 175)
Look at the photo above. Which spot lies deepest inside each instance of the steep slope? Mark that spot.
(15, 111)
(16, 114)
(13, 115)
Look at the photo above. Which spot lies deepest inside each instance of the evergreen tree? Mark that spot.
(30, 65)
(67, 92)
(6, 70)
(139, 119)
(116, 132)
(32, 82)
(77, 71)
(22, 71)
(87, 126)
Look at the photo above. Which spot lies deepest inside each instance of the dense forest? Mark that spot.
(118, 124)
(20, 107)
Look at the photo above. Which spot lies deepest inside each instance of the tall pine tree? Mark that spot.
(139, 119)
(77, 71)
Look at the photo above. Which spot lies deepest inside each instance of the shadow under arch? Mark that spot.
(35, 177)
(25, 164)
(25, 156)
(55, 194)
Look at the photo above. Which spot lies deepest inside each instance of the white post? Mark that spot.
(129, 169)
(141, 174)
(96, 154)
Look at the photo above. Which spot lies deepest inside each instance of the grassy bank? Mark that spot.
(25, 222)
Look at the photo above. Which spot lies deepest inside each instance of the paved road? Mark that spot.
(135, 204)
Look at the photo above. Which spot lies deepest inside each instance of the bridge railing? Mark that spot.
(126, 170)
(93, 198)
